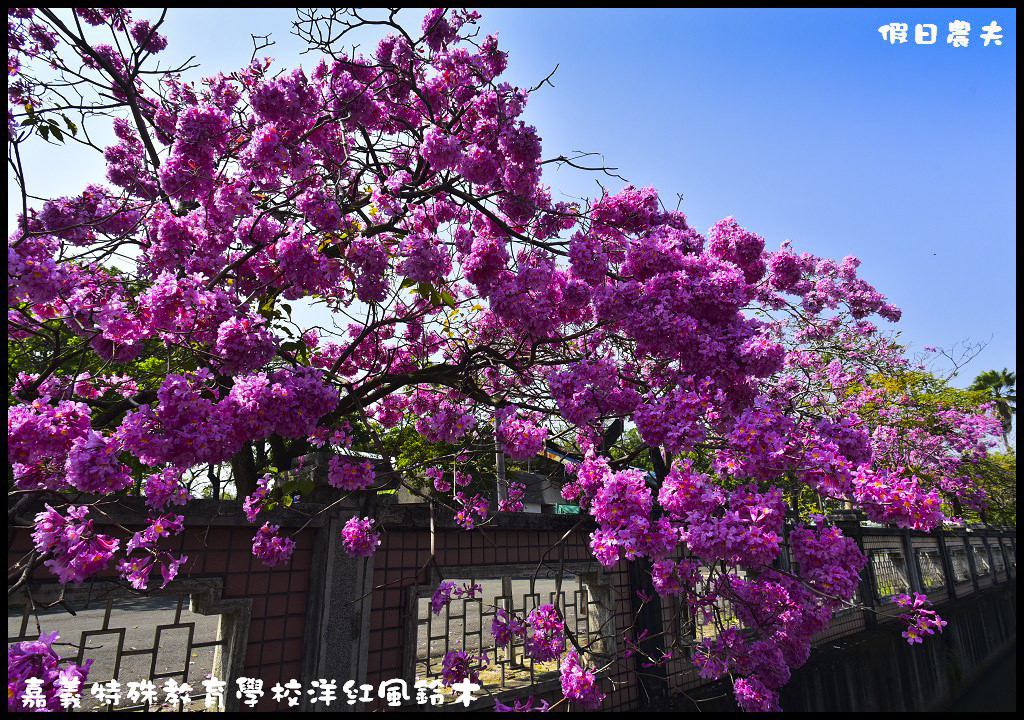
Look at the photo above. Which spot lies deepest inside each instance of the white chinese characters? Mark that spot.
(959, 35)
(394, 692)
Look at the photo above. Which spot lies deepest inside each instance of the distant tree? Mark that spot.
(1002, 388)
(997, 476)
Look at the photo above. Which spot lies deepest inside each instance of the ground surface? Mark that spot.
(140, 619)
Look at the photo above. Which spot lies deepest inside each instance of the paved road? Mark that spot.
(140, 618)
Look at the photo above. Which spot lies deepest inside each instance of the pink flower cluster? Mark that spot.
(75, 552)
(520, 438)
(459, 665)
(506, 626)
(622, 508)
(136, 570)
(253, 504)
(425, 258)
(513, 501)
(357, 537)
(37, 660)
(828, 560)
(545, 637)
(587, 390)
(164, 488)
(889, 497)
(747, 530)
(447, 424)
(39, 439)
(921, 621)
(579, 684)
(349, 476)
(674, 420)
(93, 467)
(244, 345)
(443, 594)
(271, 549)
(472, 509)
(436, 475)
(189, 427)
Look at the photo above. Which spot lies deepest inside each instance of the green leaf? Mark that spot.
(286, 500)
(44, 131)
(56, 132)
(287, 308)
(448, 299)
(306, 485)
(71, 126)
(269, 311)
(407, 283)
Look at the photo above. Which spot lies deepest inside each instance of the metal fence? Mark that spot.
(889, 573)
(961, 566)
(929, 567)
(981, 563)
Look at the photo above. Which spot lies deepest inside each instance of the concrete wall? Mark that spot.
(878, 671)
(329, 615)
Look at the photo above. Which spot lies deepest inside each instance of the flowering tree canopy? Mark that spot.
(399, 194)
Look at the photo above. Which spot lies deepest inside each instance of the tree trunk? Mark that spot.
(243, 468)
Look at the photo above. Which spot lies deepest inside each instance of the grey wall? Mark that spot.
(878, 670)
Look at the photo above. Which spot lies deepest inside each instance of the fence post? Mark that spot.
(969, 549)
(866, 585)
(947, 567)
(336, 640)
(600, 615)
(913, 574)
(991, 561)
(648, 616)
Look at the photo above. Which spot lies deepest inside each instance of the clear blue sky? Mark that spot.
(803, 124)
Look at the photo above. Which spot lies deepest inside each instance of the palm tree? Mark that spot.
(1001, 387)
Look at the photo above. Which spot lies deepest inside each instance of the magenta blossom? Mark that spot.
(36, 659)
(271, 549)
(357, 538)
(579, 684)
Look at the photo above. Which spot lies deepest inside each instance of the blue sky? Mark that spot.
(803, 124)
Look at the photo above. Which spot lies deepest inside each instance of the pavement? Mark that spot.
(140, 619)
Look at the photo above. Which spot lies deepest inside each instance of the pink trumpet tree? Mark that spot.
(399, 194)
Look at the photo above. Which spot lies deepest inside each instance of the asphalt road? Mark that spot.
(140, 618)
